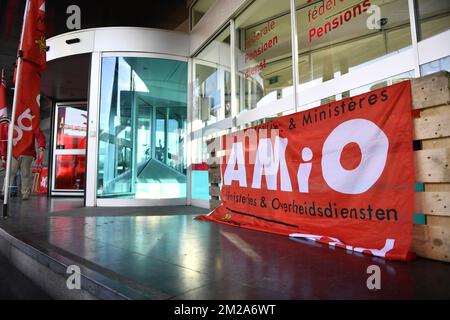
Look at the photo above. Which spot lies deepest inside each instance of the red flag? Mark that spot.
(33, 63)
(3, 97)
(34, 45)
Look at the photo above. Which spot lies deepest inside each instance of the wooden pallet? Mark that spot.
(214, 177)
(431, 99)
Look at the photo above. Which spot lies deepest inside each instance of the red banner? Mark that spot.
(34, 61)
(340, 174)
(34, 42)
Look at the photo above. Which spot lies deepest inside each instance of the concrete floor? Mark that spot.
(15, 286)
(163, 253)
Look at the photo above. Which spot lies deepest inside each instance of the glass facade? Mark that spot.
(257, 65)
(212, 103)
(338, 37)
(263, 53)
(434, 17)
(212, 83)
(436, 66)
(143, 120)
(335, 39)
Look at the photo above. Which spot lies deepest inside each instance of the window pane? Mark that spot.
(398, 39)
(70, 168)
(115, 144)
(384, 83)
(200, 181)
(434, 17)
(70, 172)
(142, 128)
(212, 88)
(264, 53)
(335, 37)
(436, 66)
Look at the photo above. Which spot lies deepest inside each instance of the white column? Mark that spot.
(93, 126)
(294, 37)
(190, 119)
(414, 35)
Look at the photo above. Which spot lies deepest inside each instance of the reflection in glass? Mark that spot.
(434, 16)
(435, 66)
(70, 148)
(143, 116)
(212, 103)
(263, 53)
(212, 88)
(71, 129)
(70, 172)
(336, 39)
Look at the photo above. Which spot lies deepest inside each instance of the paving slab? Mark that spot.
(163, 253)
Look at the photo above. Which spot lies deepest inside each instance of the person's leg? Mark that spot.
(2, 180)
(25, 173)
(15, 184)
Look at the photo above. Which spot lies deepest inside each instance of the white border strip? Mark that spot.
(434, 48)
(108, 202)
(93, 126)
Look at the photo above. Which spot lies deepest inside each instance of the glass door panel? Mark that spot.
(115, 155)
(162, 175)
(143, 109)
(176, 139)
(70, 172)
(69, 154)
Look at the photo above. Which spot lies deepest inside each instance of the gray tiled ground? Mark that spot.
(163, 253)
(14, 285)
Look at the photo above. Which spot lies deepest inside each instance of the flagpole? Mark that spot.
(13, 117)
